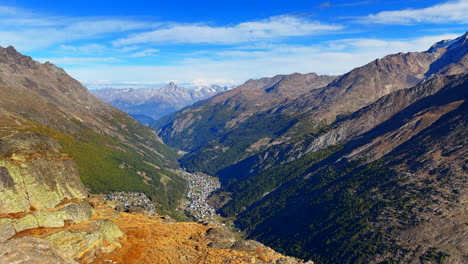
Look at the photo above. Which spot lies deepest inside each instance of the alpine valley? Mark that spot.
(365, 167)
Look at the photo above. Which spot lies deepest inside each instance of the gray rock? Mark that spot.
(247, 245)
(28, 250)
(6, 229)
(219, 234)
(221, 244)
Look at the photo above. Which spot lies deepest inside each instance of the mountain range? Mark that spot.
(148, 105)
(366, 167)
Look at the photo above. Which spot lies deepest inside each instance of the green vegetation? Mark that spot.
(433, 256)
(250, 190)
(106, 165)
(329, 217)
(230, 147)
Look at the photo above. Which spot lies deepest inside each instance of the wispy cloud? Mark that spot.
(445, 13)
(145, 53)
(271, 28)
(84, 49)
(255, 61)
(328, 4)
(28, 31)
(73, 61)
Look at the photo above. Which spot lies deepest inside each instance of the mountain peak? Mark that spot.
(450, 43)
(171, 86)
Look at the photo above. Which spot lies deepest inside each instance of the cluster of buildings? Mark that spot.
(128, 200)
(200, 186)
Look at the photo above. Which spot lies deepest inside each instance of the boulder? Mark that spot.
(224, 244)
(220, 233)
(247, 245)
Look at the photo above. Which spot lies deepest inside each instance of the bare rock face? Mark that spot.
(32, 250)
(35, 175)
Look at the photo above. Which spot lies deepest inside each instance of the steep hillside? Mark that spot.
(111, 149)
(392, 194)
(271, 111)
(149, 105)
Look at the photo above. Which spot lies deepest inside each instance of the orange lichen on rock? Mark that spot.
(152, 240)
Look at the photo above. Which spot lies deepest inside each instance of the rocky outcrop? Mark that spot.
(35, 175)
(41, 195)
(85, 243)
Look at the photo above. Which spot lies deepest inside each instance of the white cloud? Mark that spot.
(73, 61)
(145, 53)
(33, 31)
(446, 13)
(206, 82)
(390, 46)
(271, 28)
(84, 49)
(335, 57)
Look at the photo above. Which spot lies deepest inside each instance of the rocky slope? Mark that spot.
(111, 149)
(149, 105)
(379, 182)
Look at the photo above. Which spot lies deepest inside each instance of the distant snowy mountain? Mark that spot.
(149, 104)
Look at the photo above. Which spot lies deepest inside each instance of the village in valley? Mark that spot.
(200, 186)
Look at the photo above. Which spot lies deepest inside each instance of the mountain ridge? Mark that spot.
(356, 171)
(149, 104)
(42, 98)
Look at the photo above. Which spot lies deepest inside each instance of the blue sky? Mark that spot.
(225, 42)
